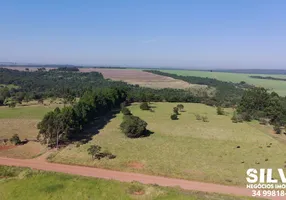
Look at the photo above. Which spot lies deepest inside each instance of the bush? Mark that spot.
(94, 151)
(246, 116)
(277, 129)
(133, 127)
(15, 139)
(220, 110)
(236, 118)
(198, 117)
(205, 119)
(174, 117)
(144, 106)
(12, 104)
(180, 107)
(263, 121)
(176, 110)
(126, 111)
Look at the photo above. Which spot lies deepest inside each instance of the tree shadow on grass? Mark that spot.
(93, 128)
(148, 133)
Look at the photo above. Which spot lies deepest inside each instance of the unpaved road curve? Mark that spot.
(126, 176)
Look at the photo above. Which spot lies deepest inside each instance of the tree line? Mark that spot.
(227, 93)
(268, 78)
(66, 124)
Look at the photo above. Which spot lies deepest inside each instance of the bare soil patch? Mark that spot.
(139, 77)
(136, 165)
(5, 147)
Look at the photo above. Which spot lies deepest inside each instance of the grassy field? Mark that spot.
(186, 148)
(25, 112)
(277, 86)
(22, 120)
(25, 184)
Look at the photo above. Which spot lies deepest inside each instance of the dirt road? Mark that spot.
(126, 176)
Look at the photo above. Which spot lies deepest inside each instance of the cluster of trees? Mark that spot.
(227, 93)
(259, 104)
(132, 126)
(63, 125)
(179, 107)
(67, 69)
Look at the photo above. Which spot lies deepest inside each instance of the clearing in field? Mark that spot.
(275, 85)
(216, 151)
(27, 184)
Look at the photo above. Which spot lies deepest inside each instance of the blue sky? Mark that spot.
(162, 33)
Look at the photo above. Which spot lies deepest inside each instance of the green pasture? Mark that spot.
(275, 85)
(217, 151)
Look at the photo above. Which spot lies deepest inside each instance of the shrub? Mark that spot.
(180, 107)
(237, 118)
(144, 106)
(277, 129)
(94, 151)
(12, 104)
(174, 117)
(246, 116)
(133, 127)
(205, 119)
(136, 188)
(126, 111)
(220, 110)
(15, 139)
(176, 110)
(263, 121)
(198, 117)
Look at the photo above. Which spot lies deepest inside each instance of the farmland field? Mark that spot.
(26, 184)
(277, 86)
(216, 151)
(139, 77)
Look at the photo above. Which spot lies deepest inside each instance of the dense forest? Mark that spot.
(268, 78)
(227, 93)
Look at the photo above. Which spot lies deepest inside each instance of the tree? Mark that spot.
(176, 110)
(220, 110)
(174, 117)
(180, 107)
(144, 106)
(15, 139)
(133, 126)
(126, 111)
